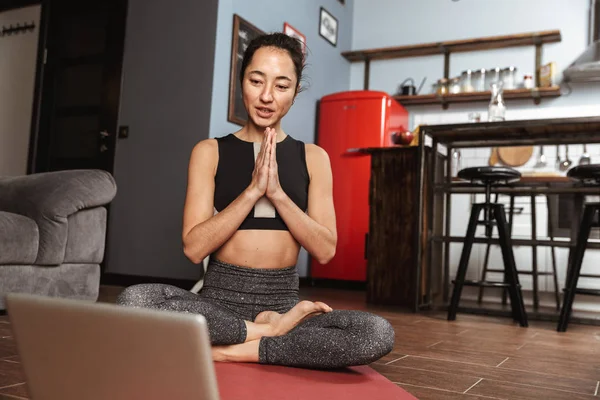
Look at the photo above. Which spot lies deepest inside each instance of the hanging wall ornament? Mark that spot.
(15, 29)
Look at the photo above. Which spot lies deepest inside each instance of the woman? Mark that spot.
(273, 194)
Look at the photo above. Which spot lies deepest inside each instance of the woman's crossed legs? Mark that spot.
(308, 334)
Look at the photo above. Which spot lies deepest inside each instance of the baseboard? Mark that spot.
(332, 284)
(129, 280)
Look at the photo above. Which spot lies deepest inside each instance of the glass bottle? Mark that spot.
(456, 162)
(497, 108)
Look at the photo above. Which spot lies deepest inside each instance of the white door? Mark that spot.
(18, 56)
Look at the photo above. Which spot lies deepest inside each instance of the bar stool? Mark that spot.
(587, 175)
(535, 273)
(493, 215)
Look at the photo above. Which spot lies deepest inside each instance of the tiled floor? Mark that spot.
(472, 358)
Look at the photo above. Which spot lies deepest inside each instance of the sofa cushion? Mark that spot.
(50, 198)
(69, 281)
(19, 239)
(86, 237)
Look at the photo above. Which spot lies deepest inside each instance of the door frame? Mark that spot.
(40, 72)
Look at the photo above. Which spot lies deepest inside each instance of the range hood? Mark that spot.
(586, 67)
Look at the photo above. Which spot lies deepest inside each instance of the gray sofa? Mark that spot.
(53, 232)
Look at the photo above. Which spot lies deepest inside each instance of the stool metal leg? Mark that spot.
(579, 208)
(511, 213)
(516, 297)
(510, 231)
(534, 264)
(486, 259)
(464, 261)
(553, 252)
(487, 252)
(575, 267)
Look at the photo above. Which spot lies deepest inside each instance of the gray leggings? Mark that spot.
(232, 294)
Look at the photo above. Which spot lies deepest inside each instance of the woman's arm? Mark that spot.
(204, 232)
(315, 230)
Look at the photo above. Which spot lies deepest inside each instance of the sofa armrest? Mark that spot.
(49, 198)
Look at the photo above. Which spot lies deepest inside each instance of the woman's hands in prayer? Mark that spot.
(273, 187)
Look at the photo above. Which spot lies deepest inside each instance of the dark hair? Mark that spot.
(280, 41)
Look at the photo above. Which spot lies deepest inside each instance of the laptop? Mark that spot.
(74, 350)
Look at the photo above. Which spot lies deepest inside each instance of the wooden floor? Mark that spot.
(475, 357)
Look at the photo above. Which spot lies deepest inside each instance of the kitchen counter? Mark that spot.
(515, 133)
(396, 273)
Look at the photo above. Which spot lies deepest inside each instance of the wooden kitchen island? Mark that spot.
(396, 243)
(410, 204)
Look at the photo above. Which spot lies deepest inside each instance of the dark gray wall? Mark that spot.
(166, 102)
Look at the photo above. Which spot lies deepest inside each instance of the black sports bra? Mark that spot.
(234, 174)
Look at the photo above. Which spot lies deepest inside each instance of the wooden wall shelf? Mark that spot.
(425, 99)
(455, 46)
(536, 39)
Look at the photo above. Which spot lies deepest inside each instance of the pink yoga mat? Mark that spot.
(266, 382)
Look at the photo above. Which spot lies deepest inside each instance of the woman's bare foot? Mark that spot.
(283, 323)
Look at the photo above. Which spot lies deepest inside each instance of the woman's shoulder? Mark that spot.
(206, 145)
(315, 151)
(206, 151)
(317, 159)
(210, 145)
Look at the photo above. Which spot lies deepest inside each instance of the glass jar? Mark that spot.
(492, 75)
(508, 76)
(528, 81)
(474, 117)
(454, 85)
(442, 87)
(466, 81)
(479, 80)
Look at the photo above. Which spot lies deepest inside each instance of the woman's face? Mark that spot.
(269, 86)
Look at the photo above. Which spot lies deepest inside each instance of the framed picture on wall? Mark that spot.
(293, 32)
(328, 26)
(243, 33)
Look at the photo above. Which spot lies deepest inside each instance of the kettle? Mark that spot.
(410, 90)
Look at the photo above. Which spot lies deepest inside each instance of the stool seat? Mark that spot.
(489, 175)
(586, 173)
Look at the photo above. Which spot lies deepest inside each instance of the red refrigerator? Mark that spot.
(351, 120)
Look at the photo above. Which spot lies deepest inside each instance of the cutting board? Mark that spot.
(515, 156)
(493, 157)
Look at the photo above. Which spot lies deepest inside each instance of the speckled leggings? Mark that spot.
(231, 295)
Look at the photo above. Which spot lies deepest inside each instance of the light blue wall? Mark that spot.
(327, 71)
(404, 22)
